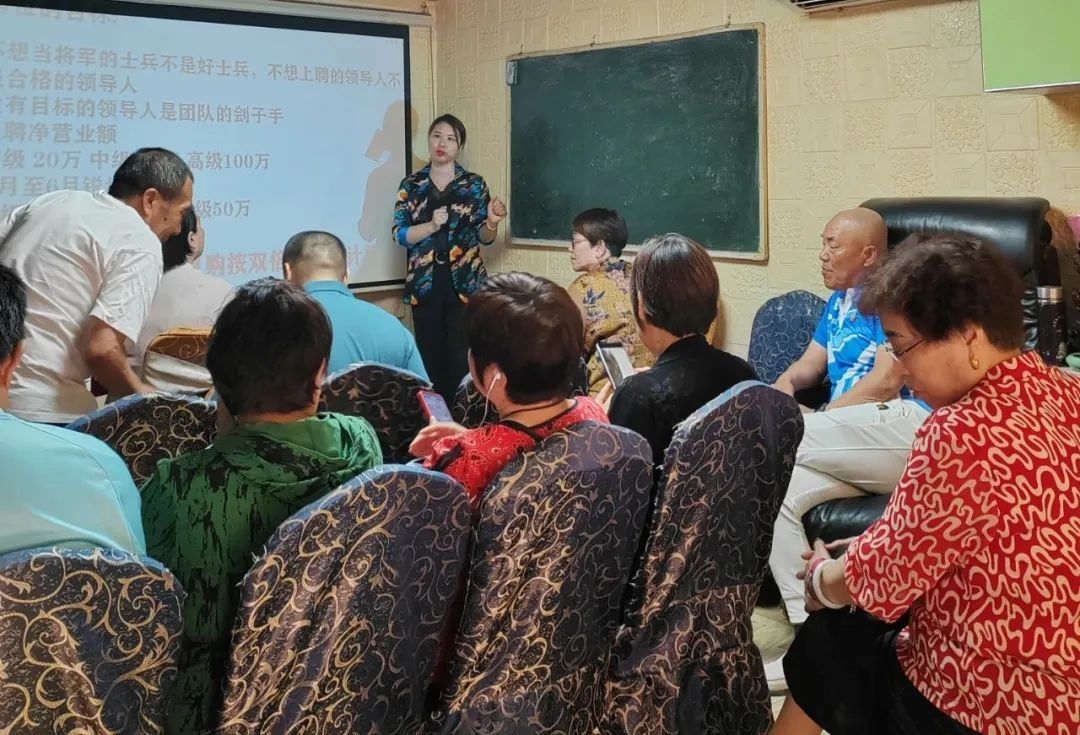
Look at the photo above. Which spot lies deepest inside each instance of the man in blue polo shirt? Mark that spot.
(859, 443)
(60, 488)
(363, 332)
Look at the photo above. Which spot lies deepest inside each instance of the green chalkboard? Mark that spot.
(667, 132)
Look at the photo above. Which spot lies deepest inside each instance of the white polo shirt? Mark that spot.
(80, 255)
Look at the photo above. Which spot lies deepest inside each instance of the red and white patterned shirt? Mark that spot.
(981, 543)
(476, 456)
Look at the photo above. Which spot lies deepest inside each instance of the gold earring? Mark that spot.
(974, 362)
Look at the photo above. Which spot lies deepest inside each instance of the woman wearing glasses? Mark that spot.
(956, 612)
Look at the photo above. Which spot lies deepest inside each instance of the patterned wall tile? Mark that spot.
(864, 126)
(786, 222)
(1059, 118)
(821, 126)
(513, 9)
(513, 37)
(647, 16)
(1012, 123)
(822, 80)
(488, 41)
(784, 86)
(782, 44)
(675, 16)
(955, 24)
(911, 72)
(960, 174)
(585, 27)
(909, 25)
(866, 76)
(536, 34)
(467, 12)
(1012, 173)
(911, 124)
(467, 82)
(1060, 173)
(786, 176)
(819, 38)
(862, 31)
(823, 174)
(960, 124)
(911, 172)
(560, 30)
(957, 71)
(490, 11)
(617, 21)
(784, 130)
(865, 175)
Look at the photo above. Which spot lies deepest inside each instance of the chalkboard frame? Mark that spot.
(761, 254)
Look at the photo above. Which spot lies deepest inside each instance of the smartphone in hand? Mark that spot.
(434, 406)
(616, 362)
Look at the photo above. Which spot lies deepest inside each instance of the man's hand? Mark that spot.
(784, 385)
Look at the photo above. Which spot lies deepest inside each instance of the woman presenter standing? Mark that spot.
(442, 217)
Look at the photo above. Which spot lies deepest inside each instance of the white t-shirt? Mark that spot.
(186, 297)
(80, 255)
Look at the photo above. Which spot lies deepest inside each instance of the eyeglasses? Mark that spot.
(900, 353)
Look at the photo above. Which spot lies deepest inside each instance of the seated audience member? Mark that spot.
(91, 264)
(207, 514)
(363, 332)
(525, 339)
(674, 292)
(1065, 242)
(60, 488)
(186, 297)
(602, 291)
(860, 442)
(971, 575)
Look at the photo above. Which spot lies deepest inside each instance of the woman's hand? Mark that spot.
(439, 218)
(424, 442)
(820, 551)
(496, 213)
(605, 395)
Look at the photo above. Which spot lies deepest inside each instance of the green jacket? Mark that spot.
(207, 516)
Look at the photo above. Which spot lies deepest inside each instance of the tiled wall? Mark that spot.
(880, 100)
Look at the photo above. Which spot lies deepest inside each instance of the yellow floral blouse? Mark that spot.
(604, 298)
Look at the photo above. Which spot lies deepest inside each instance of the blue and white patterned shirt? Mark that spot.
(851, 340)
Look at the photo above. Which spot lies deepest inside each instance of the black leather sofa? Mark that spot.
(1018, 226)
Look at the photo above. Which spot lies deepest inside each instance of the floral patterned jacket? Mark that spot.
(603, 296)
(468, 212)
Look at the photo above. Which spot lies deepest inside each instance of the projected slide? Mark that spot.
(285, 128)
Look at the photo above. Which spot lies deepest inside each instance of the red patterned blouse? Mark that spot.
(475, 457)
(981, 542)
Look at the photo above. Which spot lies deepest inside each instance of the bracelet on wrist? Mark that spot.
(819, 593)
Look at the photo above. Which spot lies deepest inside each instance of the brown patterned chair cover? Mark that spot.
(684, 660)
(551, 557)
(145, 429)
(175, 361)
(184, 343)
(88, 641)
(386, 397)
(341, 619)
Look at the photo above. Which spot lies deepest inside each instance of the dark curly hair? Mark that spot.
(941, 283)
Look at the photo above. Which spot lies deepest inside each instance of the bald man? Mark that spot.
(316, 261)
(859, 443)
